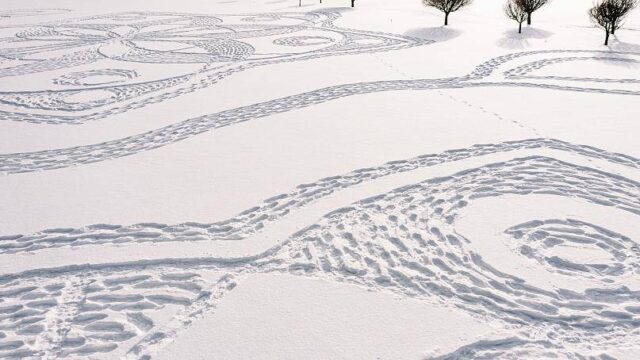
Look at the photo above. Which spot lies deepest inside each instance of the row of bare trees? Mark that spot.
(607, 14)
(519, 10)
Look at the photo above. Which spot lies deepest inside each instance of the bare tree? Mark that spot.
(608, 14)
(353, 3)
(623, 8)
(447, 6)
(515, 12)
(530, 6)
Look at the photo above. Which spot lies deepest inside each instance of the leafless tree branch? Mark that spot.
(608, 14)
(447, 6)
(515, 12)
(530, 6)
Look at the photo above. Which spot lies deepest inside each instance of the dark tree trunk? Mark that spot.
(446, 19)
(300, 3)
(519, 28)
(528, 18)
(614, 21)
(606, 39)
(353, 3)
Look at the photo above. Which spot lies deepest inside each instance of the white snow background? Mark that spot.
(260, 180)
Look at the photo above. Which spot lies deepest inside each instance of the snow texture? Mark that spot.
(376, 188)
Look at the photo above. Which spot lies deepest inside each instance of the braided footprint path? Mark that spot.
(561, 280)
(253, 220)
(143, 58)
(500, 71)
(400, 237)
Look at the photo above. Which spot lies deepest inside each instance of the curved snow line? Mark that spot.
(404, 241)
(131, 145)
(272, 232)
(233, 54)
(254, 219)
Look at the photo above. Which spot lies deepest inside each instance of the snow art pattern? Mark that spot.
(405, 241)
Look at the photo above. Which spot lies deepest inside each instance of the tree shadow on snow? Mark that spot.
(617, 45)
(440, 33)
(512, 40)
(628, 61)
(622, 61)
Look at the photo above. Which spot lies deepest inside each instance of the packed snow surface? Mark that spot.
(254, 179)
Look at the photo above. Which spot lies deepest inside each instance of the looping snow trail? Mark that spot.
(484, 75)
(212, 48)
(534, 234)
(404, 241)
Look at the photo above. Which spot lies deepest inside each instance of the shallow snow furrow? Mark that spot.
(254, 219)
(538, 239)
(92, 312)
(404, 241)
(223, 54)
(482, 76)
(410, 241)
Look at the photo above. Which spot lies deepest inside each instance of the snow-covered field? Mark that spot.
(251, 179)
